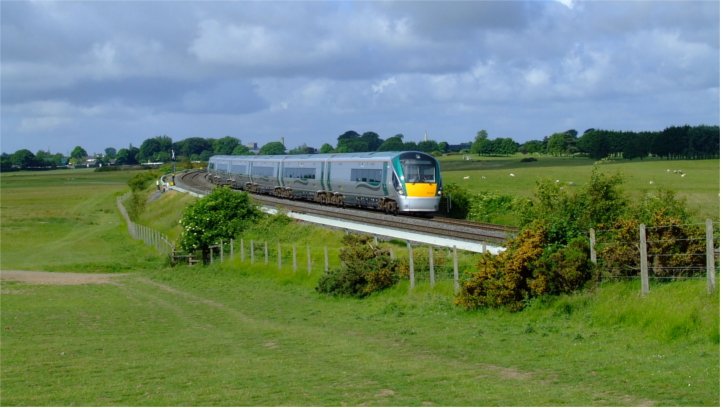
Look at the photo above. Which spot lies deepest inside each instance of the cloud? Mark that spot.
(311, 70)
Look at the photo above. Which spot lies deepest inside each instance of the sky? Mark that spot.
(104, 74)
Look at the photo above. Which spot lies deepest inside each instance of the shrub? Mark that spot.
(142, 181)
(455, 201)
(366, 268)
(485, 206)
(528, 160)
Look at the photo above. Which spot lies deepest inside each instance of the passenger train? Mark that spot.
(394, 182)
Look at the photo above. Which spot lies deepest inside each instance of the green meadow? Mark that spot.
(700, 186)
(240, 334)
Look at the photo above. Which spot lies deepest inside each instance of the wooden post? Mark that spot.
(308, 259)
(243, 251)
(293, 255)
(252, 251)
(278, 253)
(326, 259)
(710, 256)
(644, 261)
(266, 252)
(431, 267)
(211, 252)
(391, 253)
(411, 265)
(593, 252)
(455, 263)
(230, 247)
(220, 248)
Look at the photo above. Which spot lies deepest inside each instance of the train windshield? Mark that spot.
(419, 170)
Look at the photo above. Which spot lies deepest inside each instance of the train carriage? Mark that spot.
(390, 181)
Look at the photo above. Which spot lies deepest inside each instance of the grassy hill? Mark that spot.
(241, 334)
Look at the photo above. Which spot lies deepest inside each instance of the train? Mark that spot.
(393, 182)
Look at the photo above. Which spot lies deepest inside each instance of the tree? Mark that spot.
(225, 145)
(428, 146)
(532, 146)
(443, 147)
(372, 141)
(192, 145)
(562, 143)
(326, 148)
(23, 158)
(110, 152)
(219, 216)
(241, 150)
(303, 149)
(151, 147)
(480, 144)
(393, 144)
(272, 148)
(78, 153)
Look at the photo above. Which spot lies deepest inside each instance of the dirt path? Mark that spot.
(59, 278)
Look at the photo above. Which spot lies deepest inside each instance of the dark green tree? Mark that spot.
(393, 144)
(272, 148)
(480, 144)
(78, 153)
(225, 145)
(110, 152)
(23, 158)
(326, 148)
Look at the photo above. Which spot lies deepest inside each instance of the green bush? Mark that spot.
(366, 268)
(455, 201)
(485, 206)
(143, 180)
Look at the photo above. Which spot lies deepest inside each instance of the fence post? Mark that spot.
(710, 256)
(411, 265)
(644, 261)
(293, 255)
(266, 252)
(326, 259)
(211, 253)
(230, 247)
(431, 267)
(252, 251)
(220, 248)
(308, 259)
(278, 253)
(593, 252)
(391, 253)
(455, 263)
(243, 251)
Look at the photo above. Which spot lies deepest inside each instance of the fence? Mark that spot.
(432, 264)
(148, 235)
(664, 252)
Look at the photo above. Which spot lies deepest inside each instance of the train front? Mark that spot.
(419, 184)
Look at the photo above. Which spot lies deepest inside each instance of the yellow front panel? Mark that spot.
(421, 189)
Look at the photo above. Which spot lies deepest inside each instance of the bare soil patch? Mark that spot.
(59, 278)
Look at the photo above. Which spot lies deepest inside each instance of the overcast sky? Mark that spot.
(110, 73)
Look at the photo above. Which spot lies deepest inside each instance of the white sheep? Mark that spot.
(682, 175)
(512, 174)
(466, 177)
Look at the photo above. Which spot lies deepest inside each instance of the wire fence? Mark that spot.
(146, 234)
(658, 253)
(420, 264)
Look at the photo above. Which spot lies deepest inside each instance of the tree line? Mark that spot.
(675, 142)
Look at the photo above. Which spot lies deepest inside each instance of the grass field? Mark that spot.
(236, 334)
(227, 337)
(66, 220)
(700, 186)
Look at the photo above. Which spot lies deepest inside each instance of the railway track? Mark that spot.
(435, 225)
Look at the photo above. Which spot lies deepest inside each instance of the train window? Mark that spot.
(366, 175)
(212, 166)
(238, 169)
(262, 171)
(300, 173)
(419, 171)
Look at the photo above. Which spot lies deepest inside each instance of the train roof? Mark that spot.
(285, 157)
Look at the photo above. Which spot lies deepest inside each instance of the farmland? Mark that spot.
(699, 186)
(240, 334)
